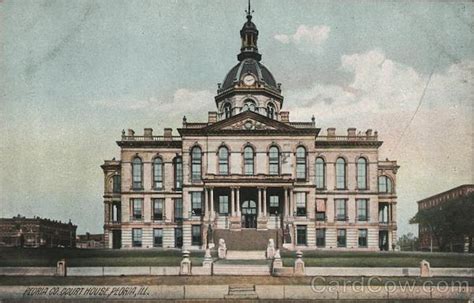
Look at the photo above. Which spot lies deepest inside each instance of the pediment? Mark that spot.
(249, 121)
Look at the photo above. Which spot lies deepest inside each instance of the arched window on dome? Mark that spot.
(271, 111)
(249, 105)
(227, 110)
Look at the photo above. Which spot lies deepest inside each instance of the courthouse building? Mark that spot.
(249, 173)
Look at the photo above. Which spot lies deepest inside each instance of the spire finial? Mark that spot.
(249, 12)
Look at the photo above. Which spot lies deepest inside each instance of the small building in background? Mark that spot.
(90, 241)
(20, 231)
(427, 240)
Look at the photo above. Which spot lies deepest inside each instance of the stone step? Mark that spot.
(245, 255)
(241, 292)
(240, 270)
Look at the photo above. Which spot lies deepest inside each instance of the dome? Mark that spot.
(252, 66)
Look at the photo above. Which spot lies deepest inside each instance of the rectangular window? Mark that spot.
(116, 212)
(137, 209)
(137, 237)
(301, 204)
(178, 210)
(301, 170)
(116, 184)
(196, 201)
(178, 173)
(362, 237)
(301, 235)
(178, 237)
(383, 213)
(157, 237)
(158, 206)
(320, 210)
(223, 205)
(274, 205)
(321, 237)
(362, 213)
(341, 238)
(196, 235)
(341, 210)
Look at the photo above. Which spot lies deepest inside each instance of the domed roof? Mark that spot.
(252, 66)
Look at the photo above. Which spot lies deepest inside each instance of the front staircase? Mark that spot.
(245, 255)
(247, 239)
(241, 292)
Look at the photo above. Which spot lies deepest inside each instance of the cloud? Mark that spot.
(305, 37)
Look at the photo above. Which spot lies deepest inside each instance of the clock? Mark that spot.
(249, 80)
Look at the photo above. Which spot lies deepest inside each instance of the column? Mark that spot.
(259, 204)
(292, 202)
(265, 202)
(285, 201)
(212, 202)
(206, 204)
(232, 202)
(238, 202)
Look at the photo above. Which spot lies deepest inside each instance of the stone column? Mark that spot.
(265, 202)
(259, 204)
(206, 204)
(211, 200)
(238, 202)
(292, 202)
(232, 202)
(285, 201)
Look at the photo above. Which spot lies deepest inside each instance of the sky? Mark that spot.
(73, 74)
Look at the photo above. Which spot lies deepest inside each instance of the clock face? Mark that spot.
(249, 80)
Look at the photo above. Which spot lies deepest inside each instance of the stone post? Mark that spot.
(277, 262)
(425, 270)
(207, 263)
(185, 266)
(61, 269)
(299, 264)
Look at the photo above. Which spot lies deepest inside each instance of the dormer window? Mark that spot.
(227, 110)
(249, 105)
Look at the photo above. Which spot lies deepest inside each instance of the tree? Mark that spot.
(408, 242)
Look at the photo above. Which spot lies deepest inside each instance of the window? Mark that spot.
(178, 173)
(248, 161)
(116, 212)
(137, 173)
(178, 210)
(274, 160)
(300, 234)
(178, 237)
(196, 158)
(340, 173)
(362, 237)
(362, 173)
(196, 201)
(385, 184)
(116, 187)
(274, 205)
(383, 213)
(223, 205)
(362, 214)
(271, 111)
(158, 173)
(196, 235)
(341, 238)
(321, 237)
(301, 163)
(227, 110)
(301, 204)
(157, 237)
(320, 210)
(136, 237)
(137, 209)
(158, 205)
(320, 173)
(249, 105)
(223, 161)
(341, 214)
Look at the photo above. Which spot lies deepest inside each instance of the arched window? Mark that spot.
(340, 173)
(116, 187)
(362, 173)
(158, 173)
(227, 110)
(320, 173)
(271, 111)
(223, 160)
(248, 161)
(137, 173)
(196, 161)
(301, 163)
(178, 173)
(385, 184)
(249, 105)
(274, 160)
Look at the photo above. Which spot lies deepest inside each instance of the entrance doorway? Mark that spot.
(249, 214)
(383, 240)
(116, 239)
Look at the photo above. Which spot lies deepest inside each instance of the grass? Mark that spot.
(91, 257)
(379, 259)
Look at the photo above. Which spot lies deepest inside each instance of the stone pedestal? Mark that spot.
(299, 264)
(207, 263)
(235, 223)
(262, 223)
(61, 269)
(425, 270)
(185, 266)
(277, 262)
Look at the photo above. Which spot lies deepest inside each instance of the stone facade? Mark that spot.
(250, 167)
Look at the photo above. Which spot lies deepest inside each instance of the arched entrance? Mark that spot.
(249, 214)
